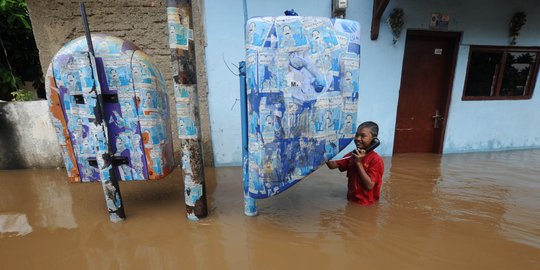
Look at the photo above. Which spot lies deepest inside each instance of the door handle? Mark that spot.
(437, 119)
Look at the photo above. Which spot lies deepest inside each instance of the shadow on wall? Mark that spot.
(10, 157)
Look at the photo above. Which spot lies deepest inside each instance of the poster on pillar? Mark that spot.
(302, 97)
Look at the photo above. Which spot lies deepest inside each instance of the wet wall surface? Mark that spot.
(463, 211)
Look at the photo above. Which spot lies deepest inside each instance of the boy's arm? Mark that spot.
(365, 180)
(341, 164)
(332, 164)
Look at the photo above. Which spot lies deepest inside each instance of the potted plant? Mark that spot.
(518, 20)
(395, 21)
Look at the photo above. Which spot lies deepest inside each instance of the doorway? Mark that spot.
(426, 84)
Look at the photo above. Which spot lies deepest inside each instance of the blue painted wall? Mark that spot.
(224, 23)
(472, 125)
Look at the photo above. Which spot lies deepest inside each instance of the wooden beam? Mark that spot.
(378, 9)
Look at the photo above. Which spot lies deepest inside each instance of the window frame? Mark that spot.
(505, 50)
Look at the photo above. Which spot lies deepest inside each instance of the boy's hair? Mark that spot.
(372, 126)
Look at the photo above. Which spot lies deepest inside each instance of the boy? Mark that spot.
(364, 170)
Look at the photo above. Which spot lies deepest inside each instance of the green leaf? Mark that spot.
(24, 21)
(3, 5)
(11, 19)
(22, 95)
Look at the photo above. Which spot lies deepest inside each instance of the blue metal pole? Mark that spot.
(250, 207)
(245, 12)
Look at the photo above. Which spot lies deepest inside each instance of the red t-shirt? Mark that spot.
(374, 166)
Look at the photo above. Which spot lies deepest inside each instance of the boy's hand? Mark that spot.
(359, 154)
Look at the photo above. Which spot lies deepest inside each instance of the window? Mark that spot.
(501, 73)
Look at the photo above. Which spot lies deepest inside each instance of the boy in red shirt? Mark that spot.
(364, 170)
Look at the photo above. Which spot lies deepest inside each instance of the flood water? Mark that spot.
(462, 211)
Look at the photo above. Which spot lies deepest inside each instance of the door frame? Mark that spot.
(451, 35)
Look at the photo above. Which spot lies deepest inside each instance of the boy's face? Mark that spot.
(363, 138)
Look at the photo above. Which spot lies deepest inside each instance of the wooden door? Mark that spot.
(426, 83)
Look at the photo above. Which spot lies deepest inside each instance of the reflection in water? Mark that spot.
(54, 201)
(466, 211)
(14, 224)
(498, 188)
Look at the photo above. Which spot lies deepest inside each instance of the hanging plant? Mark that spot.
(518, 20)
(395, 21)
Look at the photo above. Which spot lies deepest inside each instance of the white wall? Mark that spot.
(472, 125)
(490, 124)
(27, 137)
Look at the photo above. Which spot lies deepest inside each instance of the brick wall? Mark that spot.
(142, 22)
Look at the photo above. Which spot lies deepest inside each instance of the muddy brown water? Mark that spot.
(462, 211)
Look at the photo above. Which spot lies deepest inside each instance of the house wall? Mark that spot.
(471, 125)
